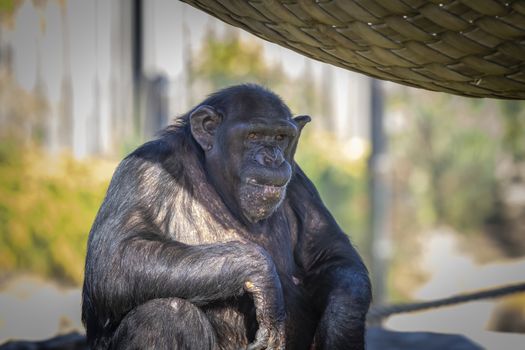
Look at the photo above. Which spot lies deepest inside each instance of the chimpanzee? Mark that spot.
(211, 237)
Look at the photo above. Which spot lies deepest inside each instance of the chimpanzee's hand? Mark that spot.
(270, 316)
(265, 287)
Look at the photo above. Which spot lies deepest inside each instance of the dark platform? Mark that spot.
(377, 339)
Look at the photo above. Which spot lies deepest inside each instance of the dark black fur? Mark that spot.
(170, 252)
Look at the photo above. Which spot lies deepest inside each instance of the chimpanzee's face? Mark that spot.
(251, 152)
(260, 150)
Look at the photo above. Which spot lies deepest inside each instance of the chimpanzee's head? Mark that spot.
(248, 137)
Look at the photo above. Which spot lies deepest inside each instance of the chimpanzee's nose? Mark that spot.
(270, 157)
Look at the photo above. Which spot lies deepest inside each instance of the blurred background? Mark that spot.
(429, 186)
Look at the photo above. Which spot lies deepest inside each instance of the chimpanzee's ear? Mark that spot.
(301, 121)
(204, 121)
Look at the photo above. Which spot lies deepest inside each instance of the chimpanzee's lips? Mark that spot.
(266, 187)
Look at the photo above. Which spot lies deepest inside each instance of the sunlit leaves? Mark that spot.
(47, 205)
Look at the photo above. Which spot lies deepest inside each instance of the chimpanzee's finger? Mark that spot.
(277, 340)
(261, 339)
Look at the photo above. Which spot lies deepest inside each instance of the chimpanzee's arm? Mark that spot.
(145, 267)
(335, 274)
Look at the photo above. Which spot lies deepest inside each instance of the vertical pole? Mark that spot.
(136, 66)
(378, 247)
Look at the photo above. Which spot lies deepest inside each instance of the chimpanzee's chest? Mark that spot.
(278, 240)
(200, 224)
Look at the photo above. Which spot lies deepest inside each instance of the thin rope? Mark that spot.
(380, 312)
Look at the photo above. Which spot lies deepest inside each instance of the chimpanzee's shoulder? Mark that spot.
(153, 151)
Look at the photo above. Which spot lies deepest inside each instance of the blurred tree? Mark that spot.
(506, 223)
(47, 205)
(513, 113)
(7, 11)
(228, 60)
(20, 111)
(455, 163)
(445, 158)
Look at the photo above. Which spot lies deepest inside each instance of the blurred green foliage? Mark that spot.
(451, 158)
(445, 158)
(228, 60)
(513, 113)
(47, 205)
(7, 9)
(341, 182)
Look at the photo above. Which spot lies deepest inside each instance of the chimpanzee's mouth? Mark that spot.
(268, 187)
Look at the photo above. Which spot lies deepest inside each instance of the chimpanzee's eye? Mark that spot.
(252, 135)
(280, 137)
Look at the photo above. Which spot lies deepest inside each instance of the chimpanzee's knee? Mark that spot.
(165, 324)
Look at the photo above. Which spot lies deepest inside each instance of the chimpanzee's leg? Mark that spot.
(165, 324)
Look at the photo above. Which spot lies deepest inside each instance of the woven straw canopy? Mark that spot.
(468, 47)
